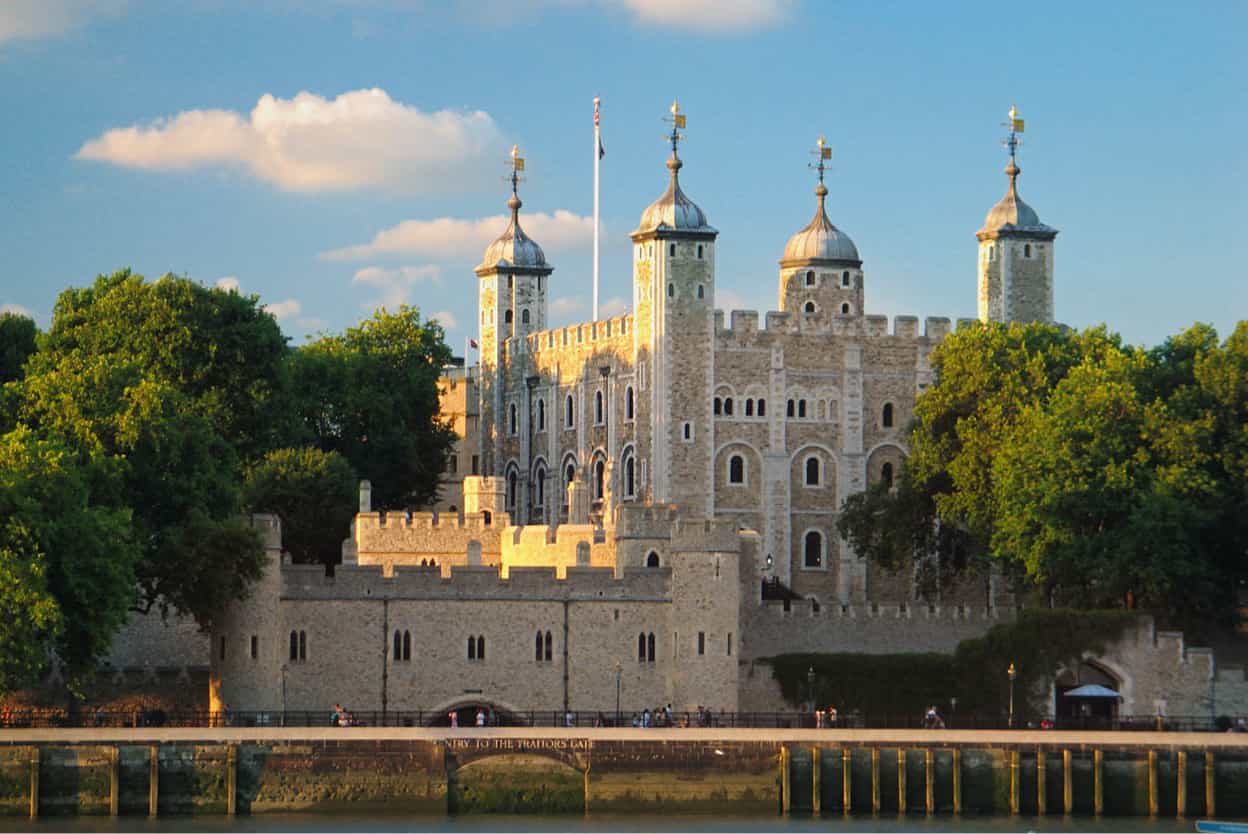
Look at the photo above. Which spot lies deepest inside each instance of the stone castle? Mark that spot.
(646, 504)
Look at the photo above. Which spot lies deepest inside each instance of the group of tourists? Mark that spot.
(826, 718)
(342, 718)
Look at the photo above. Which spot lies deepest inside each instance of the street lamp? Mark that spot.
(283, 694)
(810, 682)
(953, 708)
(1011, 673)
(618, 669)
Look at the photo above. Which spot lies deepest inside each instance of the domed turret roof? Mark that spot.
(1011, 214)
(513, 248)
(819, 240)
(674, 210)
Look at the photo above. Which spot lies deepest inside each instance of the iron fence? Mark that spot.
(468, 717)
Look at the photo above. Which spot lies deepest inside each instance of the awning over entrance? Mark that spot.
(1091, 690)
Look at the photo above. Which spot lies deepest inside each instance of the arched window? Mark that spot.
(537, 648)
(671, 290)
(886, 418)
(398, 645)
(407, 645)
(539, 484)
(810, 307)
(511, 418)
(650, 647)
(886, 475)
(845, 278)
(507, 317)
(487, 517)
(550, 644)
(728, 406)
(630, 475)
(472, 647)
(600, 473)
(749, 408)
(801, 409)
(294, 645)
(671, 250)
(641, 647)
(812, 471)
(699, 255)
(541, 415)
(790, 409)
(652, 561)
(762, 407)
(524, 316)
(303, 646)
(628, 403)
(568, 412)
(480, 647)
(718, 406)
(701, 291)
(736, 470)
(845, 309)
(598, 407)
(813, 549)
(810, 282)
(511, 490)
(1027, 250)
(569, 474)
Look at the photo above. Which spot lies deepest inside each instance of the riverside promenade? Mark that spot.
(230, 770)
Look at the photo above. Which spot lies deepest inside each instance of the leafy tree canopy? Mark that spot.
(1094, 473)
(17, 343)
(312, 492)
(371, 395)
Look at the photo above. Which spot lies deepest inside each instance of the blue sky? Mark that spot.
(333, 155)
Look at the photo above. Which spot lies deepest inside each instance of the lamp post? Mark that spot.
(953, 708)
(1011, 673)
(618, 670)
(810, 684)
(283, 694)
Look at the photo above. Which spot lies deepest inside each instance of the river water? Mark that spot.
(598, 824)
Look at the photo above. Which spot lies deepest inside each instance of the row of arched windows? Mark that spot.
(543, 647)
(810, 278)
(298, 646)
(402, 645)
(810, 308)
(750, 407)
(569, 412)
(524, 316)
(476, 647)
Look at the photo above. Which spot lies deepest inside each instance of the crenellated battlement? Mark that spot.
(645, 521)
(429, 521)
(744, 323)
(474, 582)
(587, 332)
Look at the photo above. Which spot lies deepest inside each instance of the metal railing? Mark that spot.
(467, 717)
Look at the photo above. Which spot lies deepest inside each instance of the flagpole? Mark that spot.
(597, 156)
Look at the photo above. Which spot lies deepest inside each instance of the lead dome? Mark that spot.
(673, 211)
(820, 240)
(1011, 213)
(513, 248)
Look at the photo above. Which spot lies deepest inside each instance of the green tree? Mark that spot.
(314, 495)
(18, 336)
(371, 395)
(67, 557)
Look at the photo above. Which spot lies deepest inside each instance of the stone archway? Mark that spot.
(1089, 671)
(498, 713)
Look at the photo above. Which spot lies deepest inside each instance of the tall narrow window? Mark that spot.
(687, 428)
(812, 471)
(507, 317)
(598, 407)
(537, 648)
(567, 411)
(671, 290)
(472, 648)
(1027, 250)
(887, 417)
(600, 472)
(652, 561)
(294, 645)
(762, 408)
(810, 282)
(398, 646)
(814, 549)
(303, 646)
(524, 316)
(671, 250)
(845, 308)
(699, 251)
(550, 646)
(222, 655)
(810, 307)
(407, 645)
(790, 409)
(630, 476)
(736, 470)
(255, 647)
(701, 642)
(717, 406)
(650, 647)
(730, 644)
(801, 409)
(480, 647)
(641, 647)
(886, 475)
(511, 418)
(541, 415)
(628, 403)
(539, 497)
(749, 408)
(728, 406)
(845, 278)
(511, 490)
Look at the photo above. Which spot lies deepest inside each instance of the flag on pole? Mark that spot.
(680, 120)
(597, 127)
(825, 153)
(472, 343)
(1017, 125)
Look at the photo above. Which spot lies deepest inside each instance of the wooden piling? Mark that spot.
(114, 781)
(153, 780)
(816, 801)
(786, 799)
(1152, 783)
(231, 780)
(1098, 787)
(1040, 783)
(1014, 783)
(585, 790)
(875, 780)
(1210, 805)
(929, 788)
(957, 780)
(1068, 793)
(1180, 799)
(34, 783)
(901, 780)
(847, 770)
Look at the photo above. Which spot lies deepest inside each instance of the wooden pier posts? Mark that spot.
(1013, 783)
(1180, 799)
(1040, 777)
(957, 780)
(875, 780)
(816, 801)
(929, 787)
(114, 781)
(34, 783)
(1068, 793)
(901, 780)
(153, 780)
(1210, 806)
(847, 772)
(1152, 783)
(786, 798)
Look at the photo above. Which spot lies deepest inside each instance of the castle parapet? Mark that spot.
(936, 328)
(579, 334)
(640, 521)
(906, 327)
(703, 535)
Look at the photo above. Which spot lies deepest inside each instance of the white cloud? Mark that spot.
(395, 285)
(452, 237)
(17, 310)
(229, 283)
(281, 310)
(32, 19)
(615, 306)
(445, 318)
(361, 139)
(710, 15)
(567, 306)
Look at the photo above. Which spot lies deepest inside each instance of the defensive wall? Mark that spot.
(722, 771)
(742, 323)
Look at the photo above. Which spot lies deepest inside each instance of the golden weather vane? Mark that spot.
(822, 153)
(1015, 124)
(677, 121)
